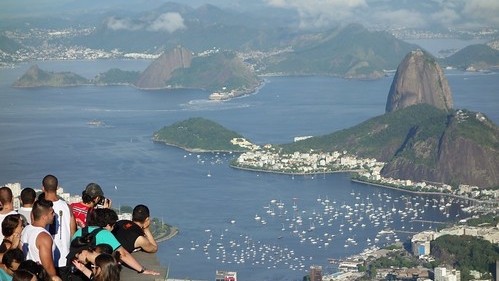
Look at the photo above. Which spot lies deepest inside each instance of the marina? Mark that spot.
(295, 232)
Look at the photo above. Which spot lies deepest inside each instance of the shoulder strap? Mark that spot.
(95, 231)
(84, 231)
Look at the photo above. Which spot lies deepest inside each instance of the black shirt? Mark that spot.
(127, 232)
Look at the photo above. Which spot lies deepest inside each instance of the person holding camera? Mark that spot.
(92, 197)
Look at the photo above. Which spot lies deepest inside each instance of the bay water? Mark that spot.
(264, 226)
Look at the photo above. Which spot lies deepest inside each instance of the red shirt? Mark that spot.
(80, 212)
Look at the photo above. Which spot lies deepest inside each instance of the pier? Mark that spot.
(426, 221)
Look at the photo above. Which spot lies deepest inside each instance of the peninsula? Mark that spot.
(201, 135)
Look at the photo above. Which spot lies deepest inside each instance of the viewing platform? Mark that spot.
(149, 261)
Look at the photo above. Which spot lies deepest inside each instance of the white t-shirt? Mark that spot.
(60, 231)
(2, 217)
(28, 238)
(26, 212)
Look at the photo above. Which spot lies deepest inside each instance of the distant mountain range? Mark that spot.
(350, 51)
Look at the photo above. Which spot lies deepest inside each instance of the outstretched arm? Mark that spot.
(129, 260)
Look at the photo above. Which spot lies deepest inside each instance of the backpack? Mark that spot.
(85, 241)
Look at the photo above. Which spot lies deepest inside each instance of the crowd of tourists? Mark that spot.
(49, 239)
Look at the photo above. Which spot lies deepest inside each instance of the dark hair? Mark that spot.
(35, 268)
(103, 248)
(85, 197)
(12, 255)
(140, 213)
(110, 268)
(5, 195)
(28, 195)
(102, 217)
(41, 207)
(10, 223)
(22, 275)
(50, 183)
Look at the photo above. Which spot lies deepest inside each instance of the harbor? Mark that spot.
(283, 230)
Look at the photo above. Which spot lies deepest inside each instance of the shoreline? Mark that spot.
(418, 192)
(164, 237)
(291, 173)
(195, 150)
(365, 183)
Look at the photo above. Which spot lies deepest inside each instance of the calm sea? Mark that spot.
(264, 226)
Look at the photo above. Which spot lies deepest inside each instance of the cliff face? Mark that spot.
(419, 79)
(466, 152)
(160, 71)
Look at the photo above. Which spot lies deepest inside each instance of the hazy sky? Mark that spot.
(414, 13)
(317, 13)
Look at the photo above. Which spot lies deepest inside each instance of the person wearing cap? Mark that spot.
(91, 197)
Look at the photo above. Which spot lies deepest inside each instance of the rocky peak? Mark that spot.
(419, 79)
(158, 73)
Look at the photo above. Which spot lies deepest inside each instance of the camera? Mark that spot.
(103, 201)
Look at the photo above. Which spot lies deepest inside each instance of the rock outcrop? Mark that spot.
(419, 79)
(158, 73)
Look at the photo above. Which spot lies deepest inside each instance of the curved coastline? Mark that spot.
(362, 182)
(167, 236)
(195, 150)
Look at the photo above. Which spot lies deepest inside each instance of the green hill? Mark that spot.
(479, 57)
(421, 143)
(379, 137)
(116, 76)
(198, 134)
(351, 52)
(465, 253)
(215, 71)
(35, 77)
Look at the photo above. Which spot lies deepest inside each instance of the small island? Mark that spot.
(201, 135)
(35, 77)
